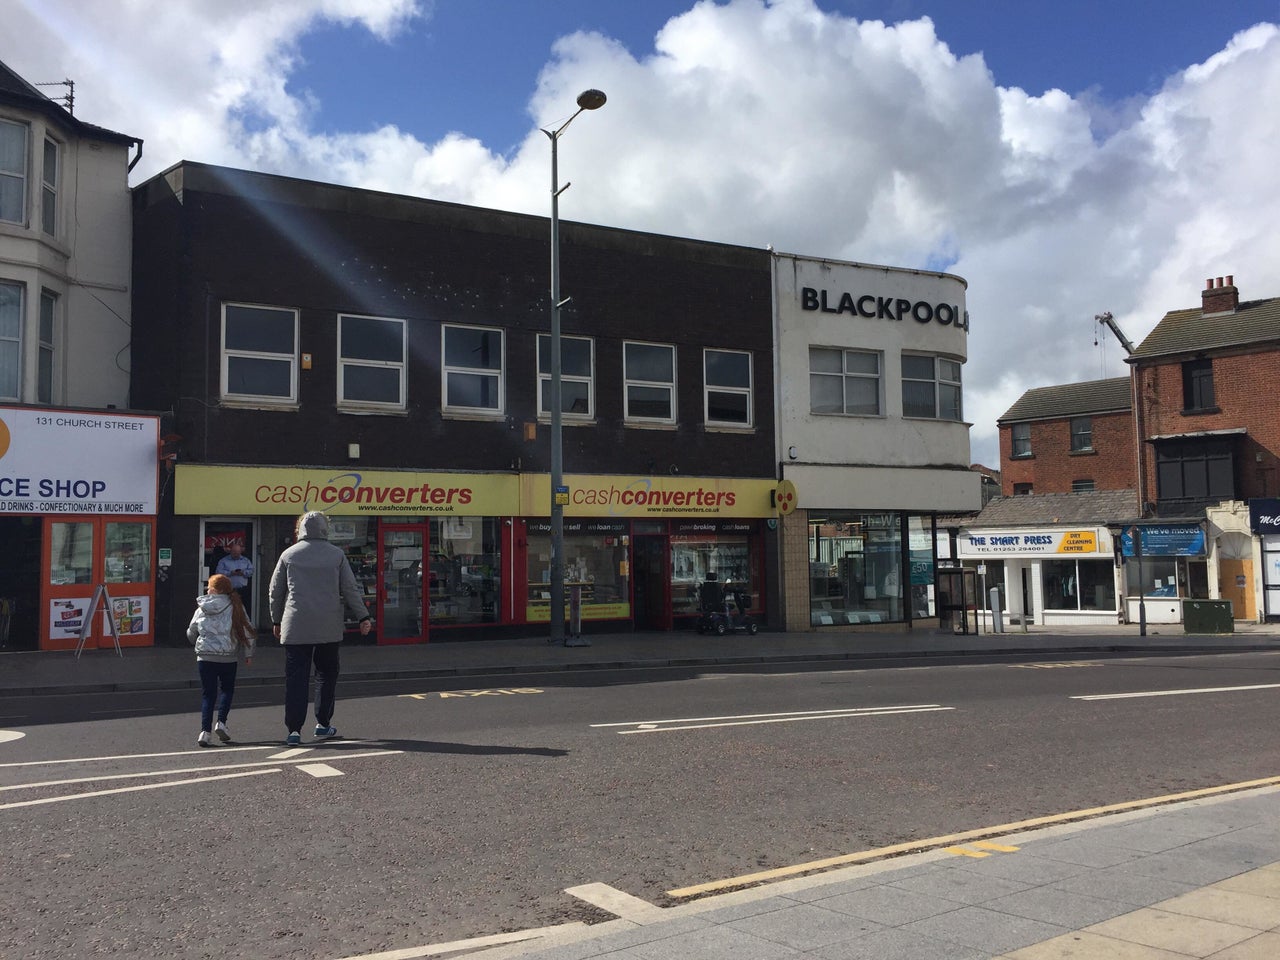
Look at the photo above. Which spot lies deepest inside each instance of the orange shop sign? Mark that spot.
(203, 489)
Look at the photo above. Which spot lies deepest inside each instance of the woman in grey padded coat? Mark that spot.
(311, 582)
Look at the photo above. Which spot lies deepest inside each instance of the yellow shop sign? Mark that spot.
(284, 490)
(639, 497)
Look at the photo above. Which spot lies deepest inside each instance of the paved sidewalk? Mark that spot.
(164, 667)
(1197, 878)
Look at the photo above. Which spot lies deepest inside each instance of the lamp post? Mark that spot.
(587, 100)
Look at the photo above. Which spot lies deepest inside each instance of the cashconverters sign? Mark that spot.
(61, 461)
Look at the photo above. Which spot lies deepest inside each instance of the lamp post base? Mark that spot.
(577, 642)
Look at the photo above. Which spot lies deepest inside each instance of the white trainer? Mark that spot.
(221, 730)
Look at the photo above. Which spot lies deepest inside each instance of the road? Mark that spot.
(456, 813)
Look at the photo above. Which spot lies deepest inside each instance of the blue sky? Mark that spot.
(1064, 158)
(470, 65)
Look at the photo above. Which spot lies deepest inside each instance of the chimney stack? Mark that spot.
(1217, 298)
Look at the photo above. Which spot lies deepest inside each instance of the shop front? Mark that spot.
(451, 555)
(1264, 521)
(1046, 575)
(1170, 566)
(78, 494)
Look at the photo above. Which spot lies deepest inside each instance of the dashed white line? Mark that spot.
(703, 723)
(1176, 693)
(145, 786)
(320, 770)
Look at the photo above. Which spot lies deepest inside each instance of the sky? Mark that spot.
(1064, 158)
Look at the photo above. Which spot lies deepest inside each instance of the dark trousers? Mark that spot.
(212, 676)
(245, 593)
(298, 658)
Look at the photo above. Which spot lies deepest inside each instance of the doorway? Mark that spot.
(1235, 583)
(217, 538)
(96, 574)
(407, 582)
(652, 583)
(20, 583)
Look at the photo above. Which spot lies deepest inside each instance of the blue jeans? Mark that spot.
(212, 676)
(298, 658)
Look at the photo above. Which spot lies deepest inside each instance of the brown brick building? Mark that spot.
(1069, 438)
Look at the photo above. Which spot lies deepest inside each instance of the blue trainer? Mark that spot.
(293, 739)
(325, 733)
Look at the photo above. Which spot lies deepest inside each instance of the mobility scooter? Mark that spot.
(724, 611)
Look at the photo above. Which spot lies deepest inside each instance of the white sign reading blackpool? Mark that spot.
(60, 461)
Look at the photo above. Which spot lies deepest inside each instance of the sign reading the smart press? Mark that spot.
(60, 461)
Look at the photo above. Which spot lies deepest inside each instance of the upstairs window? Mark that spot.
(1081, 433)
(649, 382)
(10, 341)
(259, 353)
(577, 377)
(844, 381)
(1081, 486)
(727, 395)
(1196, 469)
(1197, 385)
(1020, 434)
(930, 387)
(13, 172)
(371, 361)
(472, 372)
(49, 190)
(44, 367)
(1022, 489)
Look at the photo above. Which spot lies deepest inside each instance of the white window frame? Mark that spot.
(49, 187)
(500, 373)
(1081, 440)
(628, 383)
(18, 175)
(709, 388)
(938, 381)
(844, 374)
(544, 380)
(47, 346)
(17, 339)
(398, 366)
(227, 355)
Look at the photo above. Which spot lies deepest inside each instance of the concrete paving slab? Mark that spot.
(1192, 936)
(806, 927)
(1086, 851)
(1131, 888)
(1227, 906)
(1025, 867)
(1263, 882)
(898, 945)
(985, 929)
(892, 906)
(1070, 910)
(960, 886)
(1265, 946)
(714, 943)
(1196, 870)
(1090, 946)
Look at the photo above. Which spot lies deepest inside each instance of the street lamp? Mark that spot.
(587, 100)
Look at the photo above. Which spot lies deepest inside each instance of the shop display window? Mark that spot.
(70, 553)
(1079, 585)
(704, 567)
(464, 573)
(855, 568)
(358, 538)
(923, 598)
(1153, 577)
(127, 558)
(596, 560)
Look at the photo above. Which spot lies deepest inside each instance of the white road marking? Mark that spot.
(7, 735)
(458, 946)
(169, 773)
(704, 723)
(617, 902)
(145, 786)
(103, 713)
(320, 770)
(290, 753)
(1176, 693)
(125, 756)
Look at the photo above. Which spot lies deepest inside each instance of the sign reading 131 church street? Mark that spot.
(64, 461)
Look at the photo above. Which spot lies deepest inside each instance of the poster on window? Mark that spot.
(130, 614)
(66, 617)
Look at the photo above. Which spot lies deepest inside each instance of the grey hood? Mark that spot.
(313, 526)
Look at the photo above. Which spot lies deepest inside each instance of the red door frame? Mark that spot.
(100, 633)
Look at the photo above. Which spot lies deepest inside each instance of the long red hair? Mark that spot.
(241, 628)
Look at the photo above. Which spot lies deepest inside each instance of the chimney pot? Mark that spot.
(1231, 280)
(1219, 283)
(1208, 284)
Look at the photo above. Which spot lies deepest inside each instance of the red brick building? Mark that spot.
(1069, 438)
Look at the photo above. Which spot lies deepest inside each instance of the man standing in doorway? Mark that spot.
(238, 569)
(310, 584)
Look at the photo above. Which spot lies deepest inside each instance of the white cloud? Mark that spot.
(755, 123)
